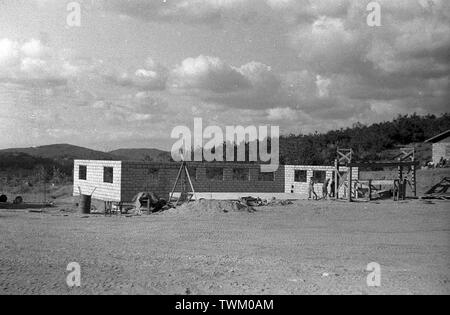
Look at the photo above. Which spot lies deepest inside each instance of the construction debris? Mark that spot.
(210, 207)
(258, 202)
(439, 191)
(148, 201)
(3, 198)
(18, 200)
(252, 202)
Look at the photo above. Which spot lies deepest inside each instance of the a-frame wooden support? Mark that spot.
(183, 174)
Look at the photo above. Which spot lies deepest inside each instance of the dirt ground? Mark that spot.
(304, 248)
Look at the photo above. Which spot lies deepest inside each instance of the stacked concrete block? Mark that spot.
(441, 150)
(130, 178)
(94, 183)
(138, 177)
(301, 189)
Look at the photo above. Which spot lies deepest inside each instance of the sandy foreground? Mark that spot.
(304, 248)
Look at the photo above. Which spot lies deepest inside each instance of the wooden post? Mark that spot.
(370, 190)
(400, 183)
(405, 182)
(414, 181)
(336, 180)
(350, 184)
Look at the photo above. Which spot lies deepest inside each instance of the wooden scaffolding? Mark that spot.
(405, 164)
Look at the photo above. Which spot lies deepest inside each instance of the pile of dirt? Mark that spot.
(210, 207)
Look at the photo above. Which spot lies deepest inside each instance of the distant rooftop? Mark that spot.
(439, 137)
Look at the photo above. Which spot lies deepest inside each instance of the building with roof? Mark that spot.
(441, 147)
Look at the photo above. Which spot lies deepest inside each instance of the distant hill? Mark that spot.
(376, 142)
(62, 152)
(22, 161)
(151, 155)
(68, 152)
(59, 157)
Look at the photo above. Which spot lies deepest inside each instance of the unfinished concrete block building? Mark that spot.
(120, 181)
(441, 147)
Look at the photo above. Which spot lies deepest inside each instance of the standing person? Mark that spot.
(441, 162)
(311, 190)
(325, 189)
(333, 189)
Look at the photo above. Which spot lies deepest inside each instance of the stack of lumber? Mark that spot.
(440, 190)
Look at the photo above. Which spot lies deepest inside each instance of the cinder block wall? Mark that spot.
(441, 149)
(293, 187)
(131, 178)
(94, 180)
(140, 176)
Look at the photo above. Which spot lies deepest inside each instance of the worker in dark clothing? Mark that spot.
(325, 189)
(333, 189)
(311, 190)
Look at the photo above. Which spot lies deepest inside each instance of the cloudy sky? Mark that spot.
(135, 69)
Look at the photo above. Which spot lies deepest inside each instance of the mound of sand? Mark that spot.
(201, 207)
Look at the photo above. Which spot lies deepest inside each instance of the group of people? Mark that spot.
(443, 163)
(328, 189)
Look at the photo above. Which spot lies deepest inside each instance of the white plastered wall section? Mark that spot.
(301, 189)
(94, 180)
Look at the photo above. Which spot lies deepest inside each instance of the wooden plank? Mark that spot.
(384, 182)
(337, 176)
(384, 164)
(350, 175)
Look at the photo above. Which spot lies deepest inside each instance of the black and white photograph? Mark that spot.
(224, 153)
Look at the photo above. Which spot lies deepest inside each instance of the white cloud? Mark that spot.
(9, 52)
(186, 11)
(152, 77)
(251, 85)
(322, 86)
(33, 63)
(282, 114)
(210, 74)
(34, 49)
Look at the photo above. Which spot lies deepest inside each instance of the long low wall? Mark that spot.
(160, 178)
(210, 180)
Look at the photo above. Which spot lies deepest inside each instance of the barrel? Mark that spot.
(85, 204)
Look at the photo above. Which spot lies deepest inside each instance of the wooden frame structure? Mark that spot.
(406, 159)
(344, 158)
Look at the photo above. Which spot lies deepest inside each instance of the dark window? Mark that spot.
(108, 175)
(213, 173)
(82, 172)
(319, 177)
(266, 177)
(301, 176)
(153, 175)
(241, 174)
